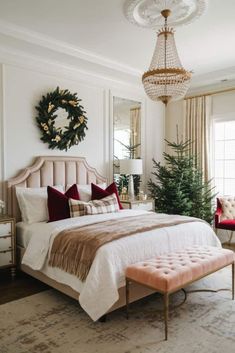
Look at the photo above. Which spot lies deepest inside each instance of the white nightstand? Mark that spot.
(147, 205)
(7, 243)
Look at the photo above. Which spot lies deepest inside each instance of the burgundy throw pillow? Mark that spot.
(58, 203)
(97, 193)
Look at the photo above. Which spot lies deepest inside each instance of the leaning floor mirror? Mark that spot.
(127, 144)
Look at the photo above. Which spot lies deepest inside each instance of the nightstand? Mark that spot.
(147, 205)
(7, 243)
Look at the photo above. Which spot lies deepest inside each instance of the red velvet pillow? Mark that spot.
(97, 193)
(58, 203)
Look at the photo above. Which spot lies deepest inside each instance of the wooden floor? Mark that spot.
(24, 285)
(21, 286)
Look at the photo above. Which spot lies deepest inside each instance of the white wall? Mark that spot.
(222, 105)
(174, 120)
(154, 134)
(21, 88)
(22, 91)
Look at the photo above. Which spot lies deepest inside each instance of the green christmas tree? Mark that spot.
(179, 187)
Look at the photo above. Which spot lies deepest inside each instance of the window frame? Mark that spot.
(218, 119)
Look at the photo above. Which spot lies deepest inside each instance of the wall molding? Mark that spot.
(3, 135)
(16, 57)
(35, 38)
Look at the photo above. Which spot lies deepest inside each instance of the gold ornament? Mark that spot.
(76, 126)
(81, 119)
(56, 139)
(64, 101)
(50, 107)
(73, 103)
(45, 127)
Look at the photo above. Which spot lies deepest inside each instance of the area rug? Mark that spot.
(50, 322)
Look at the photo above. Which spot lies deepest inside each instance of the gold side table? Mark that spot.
(8, 243)
(147, 205)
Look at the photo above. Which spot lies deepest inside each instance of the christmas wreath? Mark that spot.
(68, 135)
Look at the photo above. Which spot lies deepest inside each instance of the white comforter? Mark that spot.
(100, 290)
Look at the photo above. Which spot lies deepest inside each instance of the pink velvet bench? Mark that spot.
(171, 272)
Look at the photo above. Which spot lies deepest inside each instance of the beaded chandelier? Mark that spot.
(166, 80)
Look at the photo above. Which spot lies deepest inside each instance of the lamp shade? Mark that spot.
(131, 166)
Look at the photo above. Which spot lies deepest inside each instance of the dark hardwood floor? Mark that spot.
(24, 285)
(21, 286)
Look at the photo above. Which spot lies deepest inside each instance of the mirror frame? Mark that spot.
(134, 97)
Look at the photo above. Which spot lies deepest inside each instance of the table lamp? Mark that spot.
(131, 167)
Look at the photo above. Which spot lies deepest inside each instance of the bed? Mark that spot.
(105, 282)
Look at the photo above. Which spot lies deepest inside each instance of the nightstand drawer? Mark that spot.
(5, 229)
(5, 243)
(147, 206)
(6, 258)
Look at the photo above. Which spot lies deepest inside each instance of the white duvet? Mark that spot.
(100, 290)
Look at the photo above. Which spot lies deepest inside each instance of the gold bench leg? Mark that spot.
(233, 274)
(166, 310)
(231, 236)
(127, 298)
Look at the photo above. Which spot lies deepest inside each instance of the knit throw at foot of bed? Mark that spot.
(74, 250)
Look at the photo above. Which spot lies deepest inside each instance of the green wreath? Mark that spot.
(62, 137)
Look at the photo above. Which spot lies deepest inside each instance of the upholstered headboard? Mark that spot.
(50, 170)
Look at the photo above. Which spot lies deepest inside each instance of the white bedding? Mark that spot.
(107, 271)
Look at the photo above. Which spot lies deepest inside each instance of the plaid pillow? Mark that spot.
(106, 205)
(77, 208)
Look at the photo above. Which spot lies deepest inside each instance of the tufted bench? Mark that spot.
(171, 272)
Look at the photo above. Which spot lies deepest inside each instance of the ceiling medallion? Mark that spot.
(147, 13)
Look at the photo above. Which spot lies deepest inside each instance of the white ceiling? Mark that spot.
(99, 26)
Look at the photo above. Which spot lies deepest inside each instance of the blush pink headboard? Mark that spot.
(50, 170)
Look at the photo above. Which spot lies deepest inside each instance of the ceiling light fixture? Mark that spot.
(166, 80)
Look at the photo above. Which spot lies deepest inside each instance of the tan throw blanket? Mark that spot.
(74, 250)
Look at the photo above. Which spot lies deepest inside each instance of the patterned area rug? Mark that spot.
(50, 322)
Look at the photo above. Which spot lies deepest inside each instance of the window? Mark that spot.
(224, 157)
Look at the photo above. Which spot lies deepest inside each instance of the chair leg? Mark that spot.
(231, 236)
(166, 309)
(233, 279)
(127, 298)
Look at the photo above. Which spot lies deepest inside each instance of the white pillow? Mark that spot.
(85, 190)
(33, 203)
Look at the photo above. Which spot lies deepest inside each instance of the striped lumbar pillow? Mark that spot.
(106, 205)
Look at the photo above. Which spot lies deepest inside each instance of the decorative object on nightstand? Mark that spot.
(131, 167)
(124, 194)
(7, 243)
(147, 205)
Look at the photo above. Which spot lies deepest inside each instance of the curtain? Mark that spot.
(135, 137)
(197, 129)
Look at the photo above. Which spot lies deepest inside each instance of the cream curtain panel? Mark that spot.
(197, 129)
(135, 121)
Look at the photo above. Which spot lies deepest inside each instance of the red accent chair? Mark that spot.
(225, 215)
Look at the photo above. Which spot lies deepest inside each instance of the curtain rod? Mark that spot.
(212, 93)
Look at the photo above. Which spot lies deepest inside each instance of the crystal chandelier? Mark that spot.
(166, 80)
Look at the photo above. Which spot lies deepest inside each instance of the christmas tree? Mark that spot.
(179, 187)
